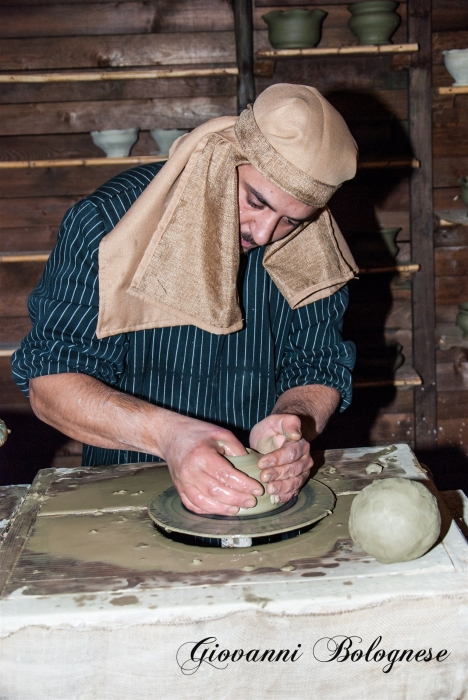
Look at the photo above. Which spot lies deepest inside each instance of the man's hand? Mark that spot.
(205, 480)
(287, 465)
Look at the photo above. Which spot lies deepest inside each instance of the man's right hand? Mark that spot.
(205, 480)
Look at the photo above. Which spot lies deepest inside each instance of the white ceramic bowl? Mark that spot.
(116, 143)
(456, 62)
(165, 138)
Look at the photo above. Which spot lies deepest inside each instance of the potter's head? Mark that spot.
(299, 151)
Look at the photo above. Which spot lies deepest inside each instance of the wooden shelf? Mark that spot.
(405, 377)
(404, 268)
(398, 163)
(75, 162)
(99, 76)
(454, 90)
(339, 51)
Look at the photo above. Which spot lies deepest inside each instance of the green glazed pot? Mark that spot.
(462, 319)
(295, 29)
(374, 23)
(389, 236)
(463, 182)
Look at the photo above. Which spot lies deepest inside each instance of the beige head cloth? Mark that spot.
(173, 258)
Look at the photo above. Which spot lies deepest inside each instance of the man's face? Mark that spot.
(266, 213)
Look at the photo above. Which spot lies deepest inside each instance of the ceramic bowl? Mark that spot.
(294, 29)
(463, 182)
(462, 318)
(456, 62)
(165, 138)
(248, 464)
(116, 143)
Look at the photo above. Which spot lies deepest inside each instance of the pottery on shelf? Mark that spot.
(462, 318)
(389, 237)
(116, 143)
(463, 182)
(248, 464)
(456, 62)
(294, 29)
(165, 138)
(374, 22)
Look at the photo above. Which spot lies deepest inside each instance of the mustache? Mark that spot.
(247, 238)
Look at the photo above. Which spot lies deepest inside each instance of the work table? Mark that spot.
(96, 603)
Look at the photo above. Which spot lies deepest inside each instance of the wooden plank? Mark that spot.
(34, 211)
(452, 404)
(126, 89)
(13, 329)
(451, 290)
(114, 18)
(118, 51)
(446, 314)
(451, 261)
(380, 315)
(446, 19)
(396, 427)
(32, 238)
(448, 198)
(16, 283)
(451, 378)
(453, 431)
(421, 206)
(73, 117)
(447, 170)
(451, 236)
(243, 25)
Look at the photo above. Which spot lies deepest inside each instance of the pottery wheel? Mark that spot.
(313, 503)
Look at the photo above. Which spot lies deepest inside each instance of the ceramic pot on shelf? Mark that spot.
(462, 318)
(456, 62)
(116, 143)
(463, 182)
(389, 237)
(165, 138)
(374, 23)
(294, 29)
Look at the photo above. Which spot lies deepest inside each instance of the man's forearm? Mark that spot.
(87, 410)
(314, 404)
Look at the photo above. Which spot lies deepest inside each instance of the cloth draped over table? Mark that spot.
(173, 259)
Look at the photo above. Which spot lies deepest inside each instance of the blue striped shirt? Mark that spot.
(232, 380)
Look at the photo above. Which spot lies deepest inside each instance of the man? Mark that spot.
(219, 305)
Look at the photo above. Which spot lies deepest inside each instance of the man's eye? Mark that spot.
(255, 205)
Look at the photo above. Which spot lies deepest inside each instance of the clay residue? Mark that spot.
(125, 600)
(129, 491)
(130, 541)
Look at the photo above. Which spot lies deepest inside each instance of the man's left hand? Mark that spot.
(287, 465)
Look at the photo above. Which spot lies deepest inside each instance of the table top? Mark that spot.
(82, 543)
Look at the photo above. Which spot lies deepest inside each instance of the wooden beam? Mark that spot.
(243, 27)
(408, 268)
(339, 51)
(422, 234)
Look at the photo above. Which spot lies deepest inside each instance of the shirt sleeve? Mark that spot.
(64, 309)
(315, 352)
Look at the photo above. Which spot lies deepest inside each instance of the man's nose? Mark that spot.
(265, 227)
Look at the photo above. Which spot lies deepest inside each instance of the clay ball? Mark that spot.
(395, 520)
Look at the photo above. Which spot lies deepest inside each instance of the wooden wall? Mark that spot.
(54, 120)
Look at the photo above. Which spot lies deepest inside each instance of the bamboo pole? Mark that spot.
(367, 384)
(73, 162)
(409, 267)
(43, 256)
(138, 160)
(403, 163)
(91, 77)
(454, 90)
(338, 50)
(7, 351)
